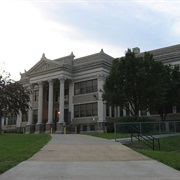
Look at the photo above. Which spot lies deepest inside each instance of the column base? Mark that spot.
(49, 128)
(39, 128)
(60, 128)
(30, 128)
(101, 127)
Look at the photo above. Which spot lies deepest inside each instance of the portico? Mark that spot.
(50, 105)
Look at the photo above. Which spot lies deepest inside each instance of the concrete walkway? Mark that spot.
(81, 157)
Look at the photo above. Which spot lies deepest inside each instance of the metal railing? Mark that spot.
(145, 138)
(157, 129)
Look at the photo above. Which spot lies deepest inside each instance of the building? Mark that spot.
(66, 92)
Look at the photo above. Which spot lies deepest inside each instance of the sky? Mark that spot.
(29, 28)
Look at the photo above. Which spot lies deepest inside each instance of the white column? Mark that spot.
(71, 94)
(19, 119)
(30, 112)
(2, 122)
(148, 113)
(61, 100)
(174, 109)
(124, 112)
(50, 102)
(101, 106)
(40, 103)
(110, 111)
(115, 112)
(118, 111)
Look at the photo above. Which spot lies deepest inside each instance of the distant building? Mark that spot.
(66, 92)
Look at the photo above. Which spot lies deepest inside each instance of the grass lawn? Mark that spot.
(169, 154)
(15, 148)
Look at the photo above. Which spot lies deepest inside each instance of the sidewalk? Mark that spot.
(81, 157)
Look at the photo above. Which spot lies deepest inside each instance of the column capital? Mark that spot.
(40, 82)
(50, 81)
(30, 86)
(101, 76)
(62, 78)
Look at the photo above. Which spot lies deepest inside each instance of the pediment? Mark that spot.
(42, 66)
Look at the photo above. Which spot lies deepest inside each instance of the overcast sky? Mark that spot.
(58, 27)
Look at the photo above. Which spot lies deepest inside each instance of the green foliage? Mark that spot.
(128, 81)
(167, 91)
(13, 97)
(142, 83)
(15, 148)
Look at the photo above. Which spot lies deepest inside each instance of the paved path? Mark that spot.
(81, 157)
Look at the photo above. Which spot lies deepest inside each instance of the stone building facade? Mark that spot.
(66, 92)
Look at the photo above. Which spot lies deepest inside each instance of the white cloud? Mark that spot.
(26, 34)
(167, 9)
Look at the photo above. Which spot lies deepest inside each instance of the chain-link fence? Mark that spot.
(160, 129)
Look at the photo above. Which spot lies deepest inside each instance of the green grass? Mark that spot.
(15, 148)
(169, 154)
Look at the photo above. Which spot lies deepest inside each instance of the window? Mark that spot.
(84, 127)
(66, 92)
(89, 110)
(94, 85)
(12, 120)
(85, 87)
(82, 110)
(107, 110)
(85, 110)
(36, 94)
(94, 109)
(92, 127)
(77, 111)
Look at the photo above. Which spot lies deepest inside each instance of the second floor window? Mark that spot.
(36, 94)
(85, 87)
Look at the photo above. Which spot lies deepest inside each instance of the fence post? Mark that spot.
(115, 132)
(159, 128)
(153, 144)
(175, 127)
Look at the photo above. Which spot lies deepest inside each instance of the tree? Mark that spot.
(143, 83)
(167, 92)
(127, 82)
(13, 97)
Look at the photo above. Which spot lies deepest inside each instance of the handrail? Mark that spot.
(149, 140)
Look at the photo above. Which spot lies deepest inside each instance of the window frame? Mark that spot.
(85, 87)
(86, 110)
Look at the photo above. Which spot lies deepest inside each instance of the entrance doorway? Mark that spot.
(66, 111)
(56, 118)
